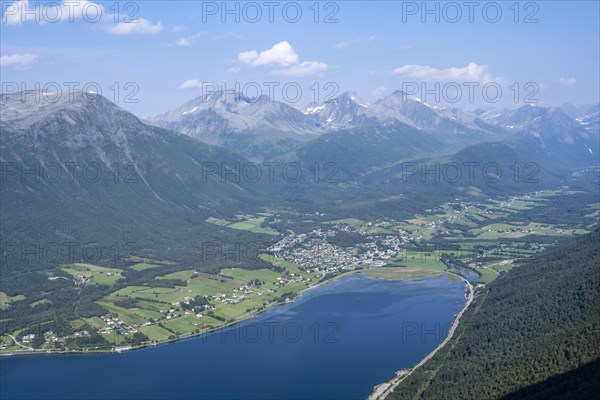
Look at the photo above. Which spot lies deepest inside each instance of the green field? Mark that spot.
(96, 322)
(183, 325)
(405, 226)
(217, 221)
(244, 276)
(157, 294)
(155, 332)
(251, 223)
(486, 275)
(291, 267)
(132, 316)
(355, 223)
(397, 273)
(185, 275)
(5, 300)
(202, 286)
(417, 259)
(40, 302)
(498, 231)
(376, 230)
(143, 266)
(96, 274)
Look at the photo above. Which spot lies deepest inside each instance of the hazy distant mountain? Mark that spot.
(234, 113)
(590, 119)
(257, 128)
(349, 110)
(550, 132)
(264, 129)
(580, 112)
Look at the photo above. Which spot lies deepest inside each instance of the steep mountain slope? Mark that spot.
(483, 169)
(358, 150)
(529, 334)
(85, 170)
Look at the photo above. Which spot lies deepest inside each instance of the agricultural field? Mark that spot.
(499, 231)
(395, 273)
(355, 223)
(289, 266)
(594, 208)
(234, 294)
(5, 299)
(482, 239)
(246, 222)
(89, 274)
(486, 275)
(40, 302)
(473, 233)
(267, 276)
(420, 260)
(143, 266)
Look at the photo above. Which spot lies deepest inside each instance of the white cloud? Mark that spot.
(234, 70)
(23, 11)
(189, 40)
(378, 91)
(281, 54)
(567, 81)
(306, 68)
(183, 42)
(141, 26)
(471, 73)
(14, 15)
(343, 44)
(191, 84)
(18, 60)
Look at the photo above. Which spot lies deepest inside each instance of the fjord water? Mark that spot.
(336, 341)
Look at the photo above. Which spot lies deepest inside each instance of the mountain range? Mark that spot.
(262, 128)
(154, 186)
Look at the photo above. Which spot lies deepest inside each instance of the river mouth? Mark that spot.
(336, 341)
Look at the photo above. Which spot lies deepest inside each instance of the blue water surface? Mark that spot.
(335, 342)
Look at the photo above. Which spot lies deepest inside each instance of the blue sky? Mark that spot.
(174, 48)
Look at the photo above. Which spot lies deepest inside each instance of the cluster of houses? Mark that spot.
(116, 325)
(51, 338)
(235, 297)
(84, 279)
(316, 255)
(28, 338)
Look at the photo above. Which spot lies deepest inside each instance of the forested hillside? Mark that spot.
(532, 333)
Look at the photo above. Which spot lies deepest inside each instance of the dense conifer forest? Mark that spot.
(532, 333)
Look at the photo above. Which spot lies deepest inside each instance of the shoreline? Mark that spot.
(123, 349)
(238, 319)
(381, 391)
